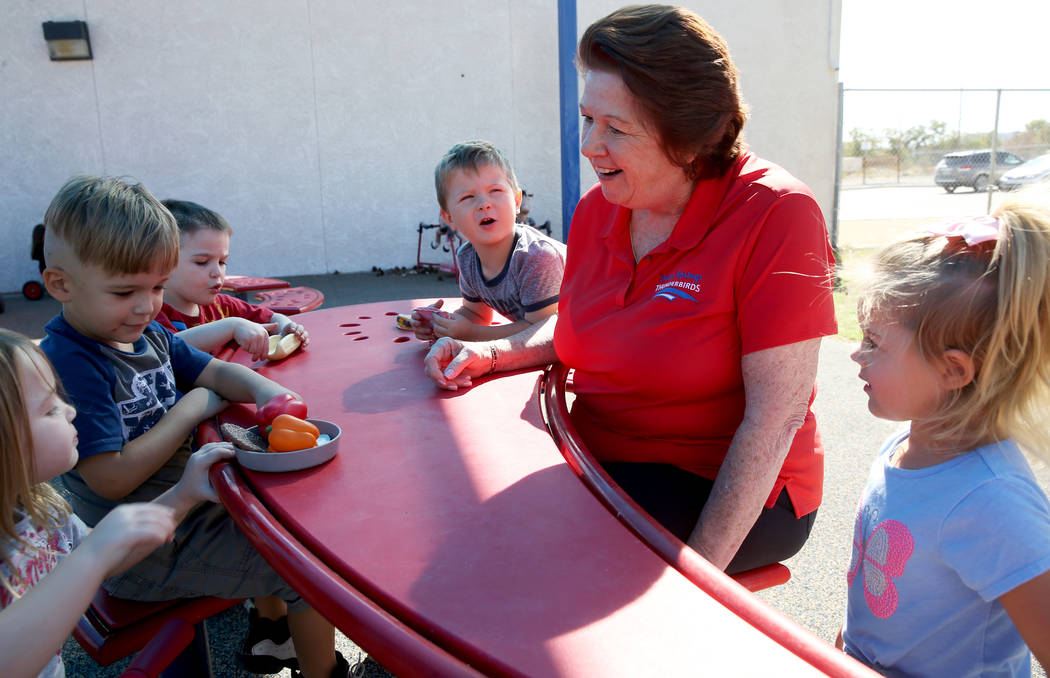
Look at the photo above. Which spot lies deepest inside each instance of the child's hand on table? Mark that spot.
(286, 325)
(195, 486)
(253, 337)
(423, 320)
(453, 325)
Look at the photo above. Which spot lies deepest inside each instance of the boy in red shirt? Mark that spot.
(193, 305)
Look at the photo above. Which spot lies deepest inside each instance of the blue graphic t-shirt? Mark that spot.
(933, 549)
(119, 395)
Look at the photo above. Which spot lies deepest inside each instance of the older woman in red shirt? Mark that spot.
(697, 287)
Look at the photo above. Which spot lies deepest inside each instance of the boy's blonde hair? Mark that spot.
(113, 224)
(44, 506)
(990, 300)
(470, 155)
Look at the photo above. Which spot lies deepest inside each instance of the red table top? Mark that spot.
(247, 283)
(455, 513)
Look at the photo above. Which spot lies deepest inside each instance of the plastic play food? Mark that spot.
(289, 434)
(244, 438)
(282, 403)
(298, 459)
(282, 347)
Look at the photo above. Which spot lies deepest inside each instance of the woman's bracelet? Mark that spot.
(492, 365)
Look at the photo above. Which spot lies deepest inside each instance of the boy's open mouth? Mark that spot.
(487, 220)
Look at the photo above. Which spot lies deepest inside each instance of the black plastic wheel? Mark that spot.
(33, 290)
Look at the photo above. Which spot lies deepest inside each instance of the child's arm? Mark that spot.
(1029, 608)
(114, 474)
(286, 325)
(472, 322)
(33, 627)
(250, 336)
(238, 383)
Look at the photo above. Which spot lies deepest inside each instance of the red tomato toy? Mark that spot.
(282, 403)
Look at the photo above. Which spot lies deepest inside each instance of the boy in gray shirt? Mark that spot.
(505, 267)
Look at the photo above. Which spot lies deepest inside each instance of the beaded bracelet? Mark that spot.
(492, 365)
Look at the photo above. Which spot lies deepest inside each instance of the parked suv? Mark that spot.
(973, 169)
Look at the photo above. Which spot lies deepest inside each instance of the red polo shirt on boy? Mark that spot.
(656, 345)
(224, 306)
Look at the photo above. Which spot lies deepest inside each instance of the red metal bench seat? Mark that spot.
(114, 628)
(291, 300)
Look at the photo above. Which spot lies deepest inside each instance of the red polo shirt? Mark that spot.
(656, 345)
(224, 306)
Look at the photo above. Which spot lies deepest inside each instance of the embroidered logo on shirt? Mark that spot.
(678, 285)
(881, 557)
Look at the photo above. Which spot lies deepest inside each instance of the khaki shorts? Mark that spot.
(209, 556)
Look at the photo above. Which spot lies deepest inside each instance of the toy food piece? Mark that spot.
(289, 434)
(243, 438)
(282, 403)
(282, 347)
(404, 321)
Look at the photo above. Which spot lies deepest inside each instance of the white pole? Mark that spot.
(995, 151)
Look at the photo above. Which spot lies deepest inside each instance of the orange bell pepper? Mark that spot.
(294, 423)
(288, 434)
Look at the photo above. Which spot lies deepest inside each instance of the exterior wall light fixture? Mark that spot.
(67, 40)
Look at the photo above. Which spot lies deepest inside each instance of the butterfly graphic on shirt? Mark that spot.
(879, 559)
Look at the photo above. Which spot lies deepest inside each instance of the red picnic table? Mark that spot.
(450, 537)
(241, 284)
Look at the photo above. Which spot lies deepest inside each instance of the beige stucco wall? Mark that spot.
(313, 126)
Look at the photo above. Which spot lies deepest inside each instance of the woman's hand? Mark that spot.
(452, 364)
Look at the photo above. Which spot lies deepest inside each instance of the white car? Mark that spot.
(1033, 171)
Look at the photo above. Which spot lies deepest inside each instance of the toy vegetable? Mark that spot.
(282, 403)
(288, 434)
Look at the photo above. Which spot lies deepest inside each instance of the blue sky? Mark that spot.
(945, 44)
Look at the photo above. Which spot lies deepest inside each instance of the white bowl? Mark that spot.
(275, 462)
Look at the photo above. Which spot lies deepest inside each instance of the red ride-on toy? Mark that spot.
(34, 289)
(445, 238)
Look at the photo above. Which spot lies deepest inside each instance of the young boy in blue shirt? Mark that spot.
(110, 247)
(505, 267)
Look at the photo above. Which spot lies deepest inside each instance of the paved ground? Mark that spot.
(815, 596)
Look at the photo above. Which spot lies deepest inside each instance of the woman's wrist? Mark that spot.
(493, 354)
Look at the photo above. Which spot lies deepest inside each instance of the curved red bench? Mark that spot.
(114, 628)
(669, 547)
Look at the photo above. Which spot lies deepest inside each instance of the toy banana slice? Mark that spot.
(282, 347)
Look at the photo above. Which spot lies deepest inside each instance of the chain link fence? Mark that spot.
(909, 156)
